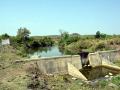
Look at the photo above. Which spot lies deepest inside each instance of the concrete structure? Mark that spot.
(112, 66)
(94, 59)
(102, 57)
(54, 65)
(57, 65)
(5, 42)
(60, 65)
(71, 64)
(111, 56)
(75, 72)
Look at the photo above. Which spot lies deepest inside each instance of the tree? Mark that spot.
(23, 37)
(23, 34)
(64, 38)
(5, 36)
(103, 35)
(98, 35)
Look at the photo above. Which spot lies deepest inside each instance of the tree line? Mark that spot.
(71, 42)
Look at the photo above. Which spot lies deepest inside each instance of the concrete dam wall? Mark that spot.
(57, 65)
(98, 58)
(111, 56)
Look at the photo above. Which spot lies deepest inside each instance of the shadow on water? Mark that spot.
(98, 72)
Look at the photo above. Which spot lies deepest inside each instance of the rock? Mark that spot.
(74, 78)
(80, 83)
(87, 82)
(49, 74)
(113, 85)
(85, 65)
(18, 61)
(89, 65)
(107, 76)
(110, 74)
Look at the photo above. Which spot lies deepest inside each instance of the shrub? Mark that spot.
(101, 46)
(114, 41)
(67, 38)
(116, 80)
(103, 83)
(80, 45)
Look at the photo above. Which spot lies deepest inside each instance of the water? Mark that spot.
(47, 52)
(98, 72)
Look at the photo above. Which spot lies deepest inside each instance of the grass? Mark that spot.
(12, 78)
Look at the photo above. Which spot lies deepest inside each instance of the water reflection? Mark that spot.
(48, 52)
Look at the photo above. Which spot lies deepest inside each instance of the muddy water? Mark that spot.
(98, 72)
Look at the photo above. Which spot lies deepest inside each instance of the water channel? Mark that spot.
(99, 72)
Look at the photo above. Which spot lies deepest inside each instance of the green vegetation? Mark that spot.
(23, 41)
(31, 42)
(100, 35)
(67, 39)
(5, 36)
(74, 43)
(41, 42)
(90, 43)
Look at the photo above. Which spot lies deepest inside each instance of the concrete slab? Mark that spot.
(73, 71)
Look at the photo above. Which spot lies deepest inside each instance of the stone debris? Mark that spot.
(110, 74)
(74, 78)
(107, 76)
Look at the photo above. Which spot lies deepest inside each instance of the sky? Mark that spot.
(48, 17)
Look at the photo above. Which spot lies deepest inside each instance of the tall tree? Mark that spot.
(5, 36)
(64, 38)
(23, 34)
(98, 35)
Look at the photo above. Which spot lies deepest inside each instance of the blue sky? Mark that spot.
(47, 17)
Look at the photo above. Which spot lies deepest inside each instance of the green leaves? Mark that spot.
(100, 35)
(5, 36)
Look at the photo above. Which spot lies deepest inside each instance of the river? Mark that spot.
(48, 52)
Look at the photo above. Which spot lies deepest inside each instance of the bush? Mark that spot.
(67, 38)
(79, 46)
(114, 41)
(116, 80)
(101, 46)
(5, 36)
(103, 83)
